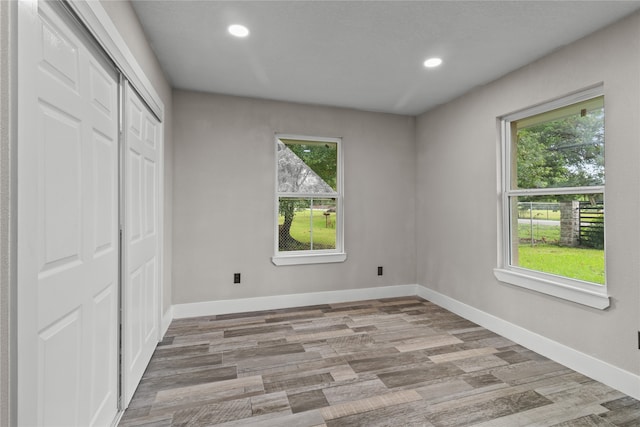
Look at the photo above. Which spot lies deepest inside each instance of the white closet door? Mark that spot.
(141, 160)
(68, 248)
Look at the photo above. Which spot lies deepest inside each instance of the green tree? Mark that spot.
(567, 152)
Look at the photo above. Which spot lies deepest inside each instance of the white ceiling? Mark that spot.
(361, 54)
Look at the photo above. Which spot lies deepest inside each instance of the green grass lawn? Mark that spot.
(577, 263)
(324, 231)
(544, 233)
(546, 256)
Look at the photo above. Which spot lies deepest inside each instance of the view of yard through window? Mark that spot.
(307, 195)
(317, 225)
(539, 245)
(556, 194)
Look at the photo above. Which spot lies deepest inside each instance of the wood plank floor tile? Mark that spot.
(548, 415)
(586, 421)
(623, 412)
(231, 356)
(257, 330)
(204, 337)
(155, 421)
(299, 382)
(257, 364)
(479, 363)
(343, 373)
(307, 400)
(318, 336)
(363, 405)
(419, 375)
(172, 366)
(512, 357)
(270, 403)
(188, 378)
(529, 371)
(495, 408)
(312, 328)
(302, 419)
(405, 415)
(363, 389)
(388, 362)
(185, 350)
(207, 392)
(215, 413)
(483, 380)
(427, 342)
(464, 354)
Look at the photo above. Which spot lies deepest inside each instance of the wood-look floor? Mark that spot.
(391, 362)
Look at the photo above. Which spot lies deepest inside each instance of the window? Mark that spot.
(553, 199)
(308, 201)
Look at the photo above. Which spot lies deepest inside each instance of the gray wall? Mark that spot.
(224, 189)
(126, 20)
(458, 194)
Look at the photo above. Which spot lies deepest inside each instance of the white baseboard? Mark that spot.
(599, 370)
(210, 308)
(166, 321)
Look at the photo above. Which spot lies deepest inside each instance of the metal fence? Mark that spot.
(592, 224)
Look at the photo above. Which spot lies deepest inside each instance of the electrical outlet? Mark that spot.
(236, 277)
(379, 271)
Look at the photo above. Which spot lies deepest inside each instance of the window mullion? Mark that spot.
(308, 195)
(553, 191)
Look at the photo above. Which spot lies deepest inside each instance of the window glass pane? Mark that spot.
(561, 148)
(307, 167)
(306, 224)
(559, 234)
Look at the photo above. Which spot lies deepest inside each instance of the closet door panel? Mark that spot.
(68, 250)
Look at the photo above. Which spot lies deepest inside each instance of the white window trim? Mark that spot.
(577, 291)
(312, 256)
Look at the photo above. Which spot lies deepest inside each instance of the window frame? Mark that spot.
(578, 291)
(312, 256)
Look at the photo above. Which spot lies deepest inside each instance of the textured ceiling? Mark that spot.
(361, 54)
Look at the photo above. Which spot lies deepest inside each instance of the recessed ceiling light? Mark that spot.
(238, 30)
(432, 62)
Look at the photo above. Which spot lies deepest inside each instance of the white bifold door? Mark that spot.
(140, 270)
(88, 256)
(68, 249)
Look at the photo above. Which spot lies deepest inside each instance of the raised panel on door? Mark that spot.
(59, 371)
(133, 339)
(68, 248)
(141, 304)
(104, 367)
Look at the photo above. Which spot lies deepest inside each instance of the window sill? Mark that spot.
(299, 259)
(557, 287)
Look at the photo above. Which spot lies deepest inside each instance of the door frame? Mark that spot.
(8, 211)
